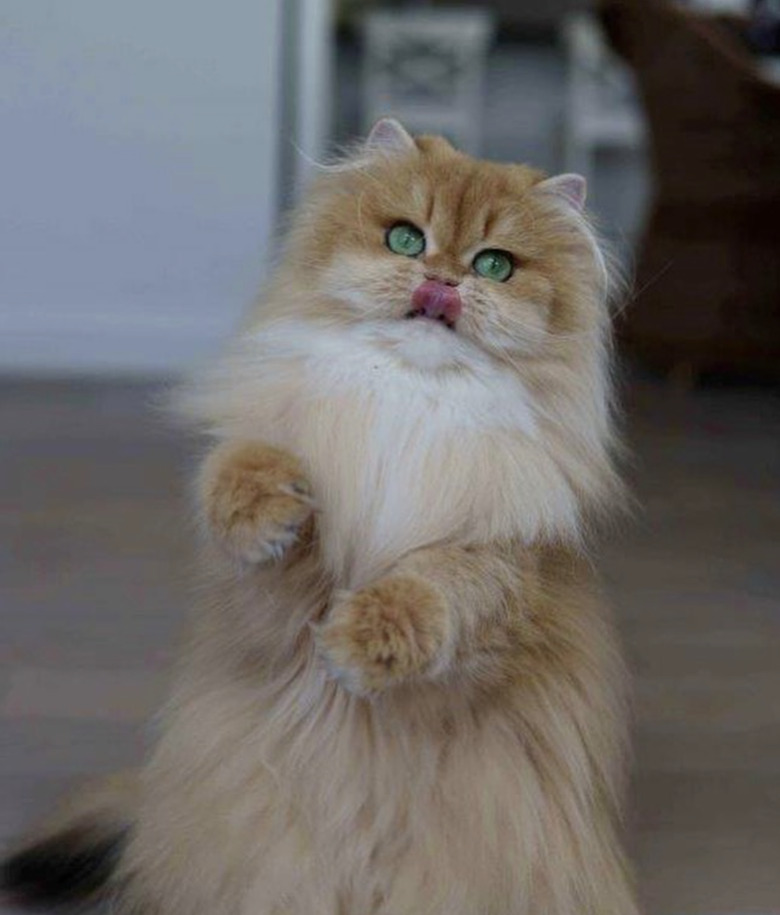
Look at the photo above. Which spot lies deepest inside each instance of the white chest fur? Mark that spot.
(411, 436)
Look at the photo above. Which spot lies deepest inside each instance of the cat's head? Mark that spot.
(412, 230)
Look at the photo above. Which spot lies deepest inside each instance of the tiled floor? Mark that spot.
(94, 548)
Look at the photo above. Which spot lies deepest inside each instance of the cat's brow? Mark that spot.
(490, 221)
(431, 204)
(460, 207)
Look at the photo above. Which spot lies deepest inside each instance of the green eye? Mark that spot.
(404, 238)
(494, 265)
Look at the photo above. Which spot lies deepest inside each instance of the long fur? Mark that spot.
(419, 709)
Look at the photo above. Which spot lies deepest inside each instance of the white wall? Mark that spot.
(138, 159)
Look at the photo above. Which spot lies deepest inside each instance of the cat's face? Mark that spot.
(493, 254)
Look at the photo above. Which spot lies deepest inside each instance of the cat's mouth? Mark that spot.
(440, 319)
(436, 301)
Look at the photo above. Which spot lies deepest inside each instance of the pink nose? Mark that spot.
(437, 301)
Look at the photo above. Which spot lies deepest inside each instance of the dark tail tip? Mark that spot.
(64, 870)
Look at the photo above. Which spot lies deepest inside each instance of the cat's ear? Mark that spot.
(571, 188)
(390, 136)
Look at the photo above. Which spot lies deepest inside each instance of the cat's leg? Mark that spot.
(254, 500)
(437, 607)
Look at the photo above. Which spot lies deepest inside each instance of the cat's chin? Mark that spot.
(424, 345)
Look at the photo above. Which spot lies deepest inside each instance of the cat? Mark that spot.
(403, 694)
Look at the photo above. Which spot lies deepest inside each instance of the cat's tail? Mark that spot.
(72, 858)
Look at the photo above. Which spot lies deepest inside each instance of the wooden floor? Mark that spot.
(93, 569)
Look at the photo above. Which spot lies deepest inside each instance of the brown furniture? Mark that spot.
(707, 291)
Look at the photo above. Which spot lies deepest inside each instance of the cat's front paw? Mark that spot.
(257, 501)
(384, 634)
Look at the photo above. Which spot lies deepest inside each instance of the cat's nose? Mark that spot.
(438, 301)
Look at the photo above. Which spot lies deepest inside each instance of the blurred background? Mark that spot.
(148, 151)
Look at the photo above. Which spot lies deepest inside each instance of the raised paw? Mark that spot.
(384, 634)
(257, 501)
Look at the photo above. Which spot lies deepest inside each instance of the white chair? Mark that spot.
(426, 67)
(600, 106)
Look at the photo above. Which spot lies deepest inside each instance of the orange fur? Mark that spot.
(257, 499)
(422, 709)
(385, 633)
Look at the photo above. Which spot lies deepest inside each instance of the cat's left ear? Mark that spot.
(391, 136)
(572, 188)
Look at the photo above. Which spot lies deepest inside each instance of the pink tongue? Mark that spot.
(437, 301)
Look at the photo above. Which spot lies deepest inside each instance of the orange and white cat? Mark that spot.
(403, 695)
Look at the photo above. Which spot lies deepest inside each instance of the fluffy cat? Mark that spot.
(403, 695)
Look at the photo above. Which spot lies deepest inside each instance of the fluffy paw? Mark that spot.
(257, 500)
(386, 633)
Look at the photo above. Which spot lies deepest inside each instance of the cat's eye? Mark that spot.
(494, 265)
(404, 238)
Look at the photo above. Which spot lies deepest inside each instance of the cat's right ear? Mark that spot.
(389, 135)
(571, 188)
